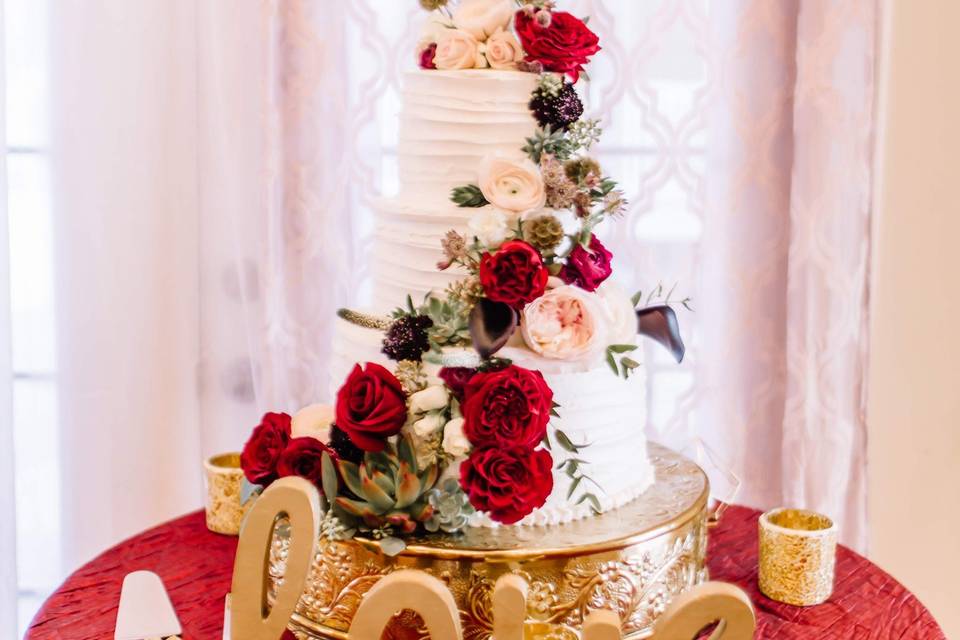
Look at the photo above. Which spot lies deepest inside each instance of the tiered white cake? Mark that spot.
(451, 121)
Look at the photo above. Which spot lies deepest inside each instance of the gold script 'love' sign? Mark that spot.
(298, 501)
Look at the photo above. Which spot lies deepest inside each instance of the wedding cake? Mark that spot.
(497, 379)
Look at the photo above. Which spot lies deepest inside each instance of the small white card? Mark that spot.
(145, 609)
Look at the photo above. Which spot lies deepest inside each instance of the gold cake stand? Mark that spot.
(633, 560)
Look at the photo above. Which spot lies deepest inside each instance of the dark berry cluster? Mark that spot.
(407, 338)
(559, 111)
(343, 446)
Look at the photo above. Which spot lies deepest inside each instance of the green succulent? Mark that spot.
(451, 508)
(388, 489)
(547, 141)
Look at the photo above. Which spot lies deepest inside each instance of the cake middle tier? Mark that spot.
(407, 249)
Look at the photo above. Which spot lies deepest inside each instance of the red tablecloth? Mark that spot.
(196, 567)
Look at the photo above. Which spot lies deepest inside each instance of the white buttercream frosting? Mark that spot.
(451, 120)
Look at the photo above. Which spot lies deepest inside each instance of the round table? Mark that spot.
(196, 567)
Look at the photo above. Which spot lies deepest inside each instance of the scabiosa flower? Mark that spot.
(343, 446)
(558, 111)
(407, 338)
(544, 232)
(433, 5)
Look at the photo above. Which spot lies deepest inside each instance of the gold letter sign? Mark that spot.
(299, 501)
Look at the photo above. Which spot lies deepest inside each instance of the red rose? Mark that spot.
(514, 275)
(302, 458)
(563, 46)
(507, 408)
(262, 451)
(507, 484)
(456, 379)
(587, 268)
(427, 55)
(371, 407)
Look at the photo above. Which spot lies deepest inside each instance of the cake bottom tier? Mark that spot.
(633, 560)
(596, 407)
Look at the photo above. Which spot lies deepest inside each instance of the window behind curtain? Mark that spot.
(36, 437)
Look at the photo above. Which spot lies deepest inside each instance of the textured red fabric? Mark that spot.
(196, 567)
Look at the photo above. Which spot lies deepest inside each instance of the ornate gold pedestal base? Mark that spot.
(633, 560)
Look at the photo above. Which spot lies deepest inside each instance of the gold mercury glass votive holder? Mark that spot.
(224, 479)
(798, 552)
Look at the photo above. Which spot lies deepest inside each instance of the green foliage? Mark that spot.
(620, 363)
(387, 491)
(468, 196)
(547, 141)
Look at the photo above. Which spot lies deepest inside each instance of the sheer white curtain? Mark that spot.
(205, 221)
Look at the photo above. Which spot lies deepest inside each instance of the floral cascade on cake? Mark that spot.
(508, 386)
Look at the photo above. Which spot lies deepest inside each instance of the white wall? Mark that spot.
(914, 413)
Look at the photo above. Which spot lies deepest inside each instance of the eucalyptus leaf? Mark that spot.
(392, 546)
(612, 362)
(328, 476)
(636, 298)
(249, 490)
(573, 486)
(565, 441)
(622, 348)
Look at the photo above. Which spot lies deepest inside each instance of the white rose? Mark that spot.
(565, 323)
(433, 29)
(313, 421)
(482, 18)
(503, 50)
(515, 185)
(622, 317)
(491, 225)
(428, 424)
(429, 399)
(457, 49)
(454, 441)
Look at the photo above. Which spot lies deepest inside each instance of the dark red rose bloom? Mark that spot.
(456, 379)
(507, 484)
(302, 458)
(427, 55)
(262, 451)
(514, 275)
(507, 408)
(588, 268)
(371, 407)
(564, 46)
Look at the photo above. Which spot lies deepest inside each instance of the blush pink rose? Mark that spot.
(565, 323)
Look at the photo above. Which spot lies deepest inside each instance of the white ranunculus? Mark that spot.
(622, 317)
(565, 323)
(429, 399)
(515, 185)
(454, 440)
(428, 424)
(503, 50)
(313, 421)
(482, 18)
(457, 49)
(491, 225)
